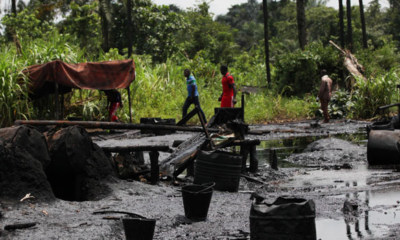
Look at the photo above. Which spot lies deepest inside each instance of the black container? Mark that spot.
(196, 201)
(223, 115)
(383, 147)
(223, 168)
(285, 219)
(139, 228)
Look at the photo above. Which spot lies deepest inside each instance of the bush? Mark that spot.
(300, 69)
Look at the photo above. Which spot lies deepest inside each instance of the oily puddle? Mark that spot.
(381, 212)
(286, 147)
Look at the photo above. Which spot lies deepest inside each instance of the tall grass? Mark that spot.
(375, 92)
(13, 97)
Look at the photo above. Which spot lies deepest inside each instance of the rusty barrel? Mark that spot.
(223, 168)
(383, 147)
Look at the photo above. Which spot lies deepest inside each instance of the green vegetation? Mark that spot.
(166, 40)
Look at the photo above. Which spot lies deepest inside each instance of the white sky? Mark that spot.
(221, 6)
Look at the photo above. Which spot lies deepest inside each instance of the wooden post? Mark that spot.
(204, 127)
(273, 160)
(243, 106)
(244, 152)
(56, 102)
(62, 106)
(155, 169)
(130, 104)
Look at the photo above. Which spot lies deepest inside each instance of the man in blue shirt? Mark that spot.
(193, 95)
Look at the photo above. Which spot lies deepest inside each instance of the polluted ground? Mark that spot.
(227, 180)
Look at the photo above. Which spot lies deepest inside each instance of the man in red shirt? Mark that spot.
(113, 103)
(228, 96)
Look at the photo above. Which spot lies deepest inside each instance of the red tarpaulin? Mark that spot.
(92, 75)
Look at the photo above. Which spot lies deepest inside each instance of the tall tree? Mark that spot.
(129, 28)
(364, 30)
(105, 16)
(14, 7)
(266, 41)
(349, 27)
(341, 23)
(301, 23)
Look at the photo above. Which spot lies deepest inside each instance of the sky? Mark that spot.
(219, 7)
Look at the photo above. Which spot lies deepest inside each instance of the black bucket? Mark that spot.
(285, 219)
(223, 168)
(196, 200)
(139, 228)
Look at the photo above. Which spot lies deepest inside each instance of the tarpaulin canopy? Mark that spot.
(91, 75)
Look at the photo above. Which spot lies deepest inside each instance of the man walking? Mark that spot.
(193, 95)
(228, 96)
(325, 94)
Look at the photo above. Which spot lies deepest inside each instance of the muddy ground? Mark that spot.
(328, 171)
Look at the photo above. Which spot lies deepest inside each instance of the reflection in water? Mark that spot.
(381, 207)
(286, 147)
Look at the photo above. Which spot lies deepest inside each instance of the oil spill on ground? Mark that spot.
(380, 211)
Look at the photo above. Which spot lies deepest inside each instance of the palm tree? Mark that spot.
(14, 7)
(266, 42)
(364, 31)
(341, 23)
(349, 27)
(129, 28)
(105, 16)
(301, 23)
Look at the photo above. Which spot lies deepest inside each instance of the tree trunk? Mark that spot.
(364, 31)
(14, 7)
(129, 27)
(349, 27)
(341, 23)
(104, 29)
(301, 23)
(266, 41)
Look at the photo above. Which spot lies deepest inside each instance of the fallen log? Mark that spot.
(19, 226)
(351, 62)
(112, 125)
(160, 148)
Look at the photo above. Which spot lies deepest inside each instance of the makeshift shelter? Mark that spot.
(59, 77)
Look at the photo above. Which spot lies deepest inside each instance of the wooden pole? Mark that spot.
(56, 102)
(130, 105)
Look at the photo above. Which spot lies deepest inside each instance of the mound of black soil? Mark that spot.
(21, 173)
(29, 139)
(78, 166)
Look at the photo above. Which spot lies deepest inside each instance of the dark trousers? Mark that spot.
(195, 101)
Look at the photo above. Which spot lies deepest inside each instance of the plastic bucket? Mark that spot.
(196, 200)
(285, 219)
(139, 228)
(223, 168)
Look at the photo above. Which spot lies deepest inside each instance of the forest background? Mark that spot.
(166, 39)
